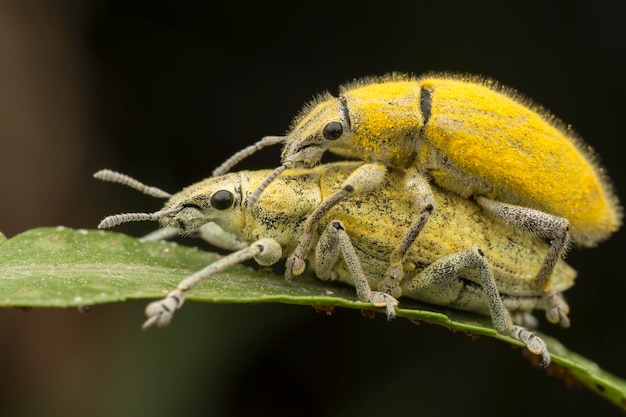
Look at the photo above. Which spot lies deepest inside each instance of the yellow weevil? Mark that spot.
(461, 259)
(468, 135)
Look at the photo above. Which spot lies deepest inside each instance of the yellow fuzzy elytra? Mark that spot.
(469, 135)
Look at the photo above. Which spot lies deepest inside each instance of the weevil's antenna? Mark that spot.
(254, 197)
(246, 152)
(117, 219)
(112, 176)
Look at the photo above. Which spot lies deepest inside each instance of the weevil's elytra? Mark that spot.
(540, 161)
(472, 136)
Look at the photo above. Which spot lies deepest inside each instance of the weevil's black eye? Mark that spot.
(332, 131)
(222, 200)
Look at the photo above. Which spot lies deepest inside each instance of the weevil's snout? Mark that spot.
(326, 125)
(307, 150)
(298, 155)
(187, 219)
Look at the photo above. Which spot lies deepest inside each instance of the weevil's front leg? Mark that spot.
(418, 191)
(216, 236)
(162, 233)
(544, 225)
(335, 242)
(445, 272)
(160, 313)
(209, 232)
(364, 179)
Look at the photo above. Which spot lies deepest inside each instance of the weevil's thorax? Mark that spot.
(211, 200)
(283, 207)
(386, 121)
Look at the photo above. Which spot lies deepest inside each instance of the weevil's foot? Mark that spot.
(380, 299)
(557, 310)
(525, 319)
(558, 316)
(295, 262)
(295, 266)
(161, 312)
(391, 283)
(533, 343)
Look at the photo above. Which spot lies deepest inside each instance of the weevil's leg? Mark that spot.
(216, 236)
(162, 233)
(447, 269)
(209, 232)
(525, 319)
(335, 242)
(419, 192)
(160, 313)
(364, 179)
(538, 223)
(246, 152)
(557, 309)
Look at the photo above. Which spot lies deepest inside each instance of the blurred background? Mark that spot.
(165, 91)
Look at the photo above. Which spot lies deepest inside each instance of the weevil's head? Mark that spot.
(373, 119)
(323, 123)
(216, 199)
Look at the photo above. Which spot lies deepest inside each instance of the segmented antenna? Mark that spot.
(246, 152)
(267, 181)
(119, 178)
(117, 219)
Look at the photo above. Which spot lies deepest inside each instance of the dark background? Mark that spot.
(165, 91)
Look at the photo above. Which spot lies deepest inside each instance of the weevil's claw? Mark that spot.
(380, 299)
(533, 343)
(390, 284)
(295, 266)
(295, 262)
(557, 310)
(161, 312)
(558, 316)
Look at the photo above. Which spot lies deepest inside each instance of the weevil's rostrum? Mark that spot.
(461, 259)
(471, 136)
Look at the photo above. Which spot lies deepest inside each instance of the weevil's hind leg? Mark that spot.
(160, 313)
(419, 192)
(537, 223)
(335, 243)
(364, 179)
(545, 225)
(444, 272)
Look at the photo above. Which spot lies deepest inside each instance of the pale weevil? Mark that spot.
(461, 258)
(466, 134)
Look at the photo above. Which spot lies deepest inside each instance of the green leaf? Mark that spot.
(62, 267)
